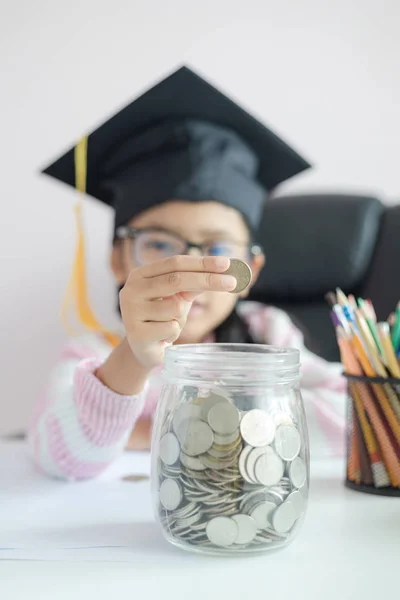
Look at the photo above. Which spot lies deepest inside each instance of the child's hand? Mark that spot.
(140, 438)
(156, 300)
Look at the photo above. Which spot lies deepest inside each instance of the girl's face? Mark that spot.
(167, 229)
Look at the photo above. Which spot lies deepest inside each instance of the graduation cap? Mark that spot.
(181, 140)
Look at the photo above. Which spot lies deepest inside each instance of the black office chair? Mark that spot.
(315, 243)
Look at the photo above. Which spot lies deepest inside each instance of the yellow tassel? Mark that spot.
(77, 288)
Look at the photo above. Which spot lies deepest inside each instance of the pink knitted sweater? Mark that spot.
(80, 426)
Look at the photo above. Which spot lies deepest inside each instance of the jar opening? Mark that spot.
(232, 361)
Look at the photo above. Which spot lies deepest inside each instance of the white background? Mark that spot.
(76, 526)
(323, 74)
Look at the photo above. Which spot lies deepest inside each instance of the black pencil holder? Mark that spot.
(373, 435)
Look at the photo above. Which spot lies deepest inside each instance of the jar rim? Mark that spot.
(230, 357)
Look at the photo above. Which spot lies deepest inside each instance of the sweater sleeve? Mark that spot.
(80, 426)
(322, 385)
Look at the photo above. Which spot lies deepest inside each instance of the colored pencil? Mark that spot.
(396, 330)
(368, 349)
(391, 359)
(366, 470)
(371, 322)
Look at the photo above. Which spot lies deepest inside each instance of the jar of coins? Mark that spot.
(230, 453)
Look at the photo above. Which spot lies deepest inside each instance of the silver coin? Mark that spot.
(222, 531)
(298, 501)
(226, 440)
(232, 490)
(210, 512)
(227, 453)
(169, 449)
(264, 540)
(224, 477)
(229, 449)
(232, 473)
(252, 487)
(205, 544)
(200, 527)
(196, 535)
(188, 482)
(135, 478)
(217, 463)
(252, 459)
(182, 532)
(192, 476)
(218, 453)
(219, 501)
(215, 498)
(242, 463)
(282, 418)
(208, 403)
(247, 529)
(261, 513)
(192, 495)
(195, 436)
(170, 494)
(223, 418)
(269, 469)
(183, 412)
(196, 499)
(192, 462)
(254, 500)
(287, 442)
(297, 472)
(277, 494)
(284, 517)
(222, 393)
(242, 273)
(257, 428)
(251, 499)
(285, 482)
(170, 472)
(186, 511)
(202, 486)
(269, 534)
(188, 521)
(192, 490)
(233, 486)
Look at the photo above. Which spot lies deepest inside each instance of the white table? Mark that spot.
(349, 546)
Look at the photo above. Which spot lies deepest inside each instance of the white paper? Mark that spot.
(107, 519)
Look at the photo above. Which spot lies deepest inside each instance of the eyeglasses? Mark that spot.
(152, 244)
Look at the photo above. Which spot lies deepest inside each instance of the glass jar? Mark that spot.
(230, 450)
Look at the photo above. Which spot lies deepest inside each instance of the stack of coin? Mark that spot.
(230, 479)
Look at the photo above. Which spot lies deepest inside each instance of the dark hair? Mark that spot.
(233, 330)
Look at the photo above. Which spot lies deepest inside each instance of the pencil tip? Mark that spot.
(330, 298)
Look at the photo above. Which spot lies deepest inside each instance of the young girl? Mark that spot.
(188, 193)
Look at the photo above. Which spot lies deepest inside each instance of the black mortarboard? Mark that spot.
(182, 139)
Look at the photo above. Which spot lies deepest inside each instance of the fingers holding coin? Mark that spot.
(241, 272)
(155, 301)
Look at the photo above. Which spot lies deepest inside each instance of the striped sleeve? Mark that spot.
(323, 387)
(80, 426)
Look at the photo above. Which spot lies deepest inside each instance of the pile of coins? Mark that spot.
(227, 478)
